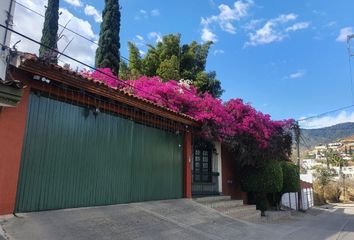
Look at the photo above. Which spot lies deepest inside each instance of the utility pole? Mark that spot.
(297, 140)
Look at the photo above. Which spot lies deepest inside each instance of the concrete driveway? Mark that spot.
(173, 219)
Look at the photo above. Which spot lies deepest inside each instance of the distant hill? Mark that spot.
(326, 135)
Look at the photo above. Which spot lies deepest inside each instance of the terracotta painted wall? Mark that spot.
(187, 159)
(231, 176)
(12, 130)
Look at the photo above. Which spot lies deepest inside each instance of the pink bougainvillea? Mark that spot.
(219, 120)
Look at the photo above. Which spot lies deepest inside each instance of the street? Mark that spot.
(174, 219)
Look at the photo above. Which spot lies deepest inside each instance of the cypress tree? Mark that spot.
(107, 54)
(50, 31)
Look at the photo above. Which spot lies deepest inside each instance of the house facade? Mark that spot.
(67, 141)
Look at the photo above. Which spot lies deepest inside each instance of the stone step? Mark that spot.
(212, 199)
(256, 216)
(243, 209)
(245, 214)
(224, 204)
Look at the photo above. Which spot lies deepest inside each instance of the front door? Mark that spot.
(205, 180)
(202, 165)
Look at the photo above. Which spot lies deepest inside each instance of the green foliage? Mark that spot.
(50, 31)
(169, 69)
(135, 65)
(291, 178)
(261, 203)
(267, 178)
(124, 72)
(207, 82)
(171, 60)
(107, 54)
(323, 176)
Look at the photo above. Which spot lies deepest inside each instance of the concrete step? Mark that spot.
(254, 217)
(237, 209)
(212, 199)
(224, 204)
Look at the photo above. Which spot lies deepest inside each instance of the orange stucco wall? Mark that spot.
(12, 130)
(187, 155)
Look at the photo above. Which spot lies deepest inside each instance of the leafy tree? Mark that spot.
(107, 54)
(323, 177)
(171, 60)
(135, 64)
(169, 69)
(124, 72)
(267, 178)
(337, 160)
(291, 178)
(50, 32)
(151, 62)
(207, 82)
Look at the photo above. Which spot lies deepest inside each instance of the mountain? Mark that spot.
(313, 137)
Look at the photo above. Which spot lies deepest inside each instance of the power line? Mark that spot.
(325, 113)
(65, 27)
(86, 38)
(80, 62)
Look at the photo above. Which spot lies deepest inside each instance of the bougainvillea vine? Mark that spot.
(221, 121)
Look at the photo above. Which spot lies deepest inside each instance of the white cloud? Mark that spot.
(142, 53)
(344, 33)
(79, 48)
(252, 25)
(297, 26)
(297, 74)
(273, 30)
(218, 51)
(92, 11)
(140, 38)
(155, 36)
(326, 121)
(142, 14)
(208, 35)
(75, 3)
(155, 13)
(331, 24)
(226, 18)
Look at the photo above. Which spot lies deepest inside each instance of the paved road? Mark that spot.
(173, 219)
(334, 223)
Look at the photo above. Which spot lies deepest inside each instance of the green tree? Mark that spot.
(263, 179)
(168, 69)
(135, 64)
(338, 161)
(171, 60)
(207, 82)
(124, 72)
(107, 54)
(151, 62)
(50, 32)
(323, 177)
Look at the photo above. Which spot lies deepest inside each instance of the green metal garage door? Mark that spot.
(71, 159)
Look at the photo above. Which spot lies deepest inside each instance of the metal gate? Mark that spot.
(75, 158)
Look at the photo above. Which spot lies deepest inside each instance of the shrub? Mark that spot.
(332, 192)
(267, 178)
(291, 180)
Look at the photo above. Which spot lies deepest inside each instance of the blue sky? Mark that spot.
(287, 58)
